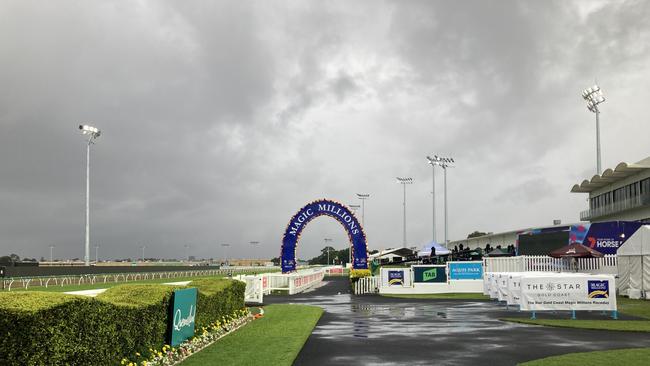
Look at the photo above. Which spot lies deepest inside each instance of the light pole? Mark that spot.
(254, 244)
(404, 182)
(93, 133)
(446, 163)
(594, 96)
(225, 252)
(51, 248)
(187, 252)
(142, 247)
(363, 197)
(328, 240)
(96, 253)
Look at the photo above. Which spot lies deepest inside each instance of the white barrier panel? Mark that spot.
(300, 282)
(568, 291)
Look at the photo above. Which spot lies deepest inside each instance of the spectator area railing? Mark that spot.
(543, 263)
(11, 283)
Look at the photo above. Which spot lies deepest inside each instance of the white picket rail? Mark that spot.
(367, 285)
(527, 263)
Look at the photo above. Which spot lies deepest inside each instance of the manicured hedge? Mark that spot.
(44, 328)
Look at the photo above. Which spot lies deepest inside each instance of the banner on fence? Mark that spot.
(465, 270)
(181, 318)
(429, 274)
(396, 277)
(571, 292)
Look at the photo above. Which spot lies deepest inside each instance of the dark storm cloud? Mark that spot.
(220, 119)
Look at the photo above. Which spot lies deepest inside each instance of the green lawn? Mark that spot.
(274, 339)
(628, 357)
(451, 296)
(635, 356)
(640, 308)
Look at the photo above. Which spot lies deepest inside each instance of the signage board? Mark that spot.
(576, 292)
(465, 270)
(182, 316)
(396, 277)
(429, 274)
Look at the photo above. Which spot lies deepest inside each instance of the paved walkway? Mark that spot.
(376, 330)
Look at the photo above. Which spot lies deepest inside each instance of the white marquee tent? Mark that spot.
(634, 263)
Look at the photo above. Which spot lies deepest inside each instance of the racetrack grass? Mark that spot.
(639, 308)
(449, 296)
(628, 357)
(619, 325)
(274, 339)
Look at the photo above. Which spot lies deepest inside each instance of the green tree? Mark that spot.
(476, 234)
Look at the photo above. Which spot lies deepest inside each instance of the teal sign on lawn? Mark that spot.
(183, 313)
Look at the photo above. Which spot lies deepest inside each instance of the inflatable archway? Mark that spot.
(324, 208)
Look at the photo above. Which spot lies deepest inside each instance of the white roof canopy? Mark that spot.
(609, 176)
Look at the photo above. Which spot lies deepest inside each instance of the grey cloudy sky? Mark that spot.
(220, 119)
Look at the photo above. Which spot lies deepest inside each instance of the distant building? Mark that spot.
(622, 193)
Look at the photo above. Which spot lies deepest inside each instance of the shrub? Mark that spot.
(43, 328)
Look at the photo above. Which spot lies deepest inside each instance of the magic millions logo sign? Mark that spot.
(334, 210)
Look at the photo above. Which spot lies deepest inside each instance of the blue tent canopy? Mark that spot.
(426, 249)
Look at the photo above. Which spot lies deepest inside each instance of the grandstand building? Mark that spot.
(619, 202)
(622, 193)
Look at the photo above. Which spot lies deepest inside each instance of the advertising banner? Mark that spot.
(568, 292)
(396, 277)
(465, 270)
(429, 274)
(183, 313)
(605, 237)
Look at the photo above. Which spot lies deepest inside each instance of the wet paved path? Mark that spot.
(375, 330)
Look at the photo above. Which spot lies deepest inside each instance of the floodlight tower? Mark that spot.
(363, 197)
(594, 96)
(143, 248)
(328, 240)
(446, 163)
(225, 252)
(93, 133)
(433, 162)
(404, 181)
(51, 249)
(187, 252)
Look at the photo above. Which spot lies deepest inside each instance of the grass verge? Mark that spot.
(451, 296)
(640, 308)
(628, 357)
(274, 339)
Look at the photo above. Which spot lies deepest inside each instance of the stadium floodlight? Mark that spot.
(328, 240)
(93, 133)
(446, 164)
(404, 181)
(225, 254)
(594, 96)
(442, 162)
(363, 197)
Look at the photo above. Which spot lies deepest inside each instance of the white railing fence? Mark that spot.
(366, 285)
(528, 263)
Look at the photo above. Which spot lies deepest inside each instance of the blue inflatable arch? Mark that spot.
(324, 208)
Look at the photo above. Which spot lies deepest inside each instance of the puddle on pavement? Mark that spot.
(353, 317)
